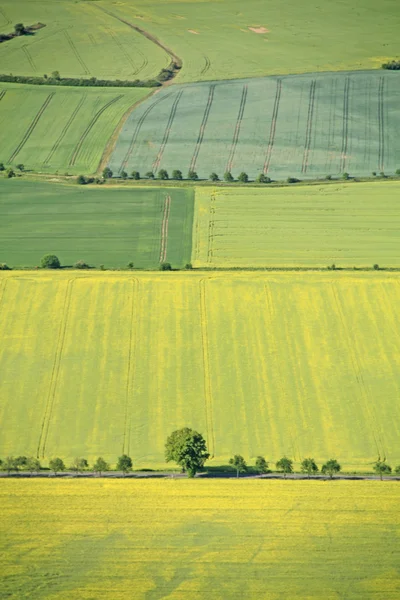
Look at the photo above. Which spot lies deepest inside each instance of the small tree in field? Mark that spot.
(345, 176)
(124, 175)
(50, 261)
(165, 266)
(309, 466)
(261, 465)
(124, 464)
(32, 465)
(285, 465)
(79, 465)
(188, 449)
(397, 171)
(243, 177)
(149, 175)
(177, 175)
(228, 177)
(100, 466)
(19, 29)
(238, 463)
(381, 468)
(136, 175)
(397, 470)
(21, 167)
(262, 178)
(214, 177)
(81, 180)
(193, 175)
(107, 173)
(2, 167)
(162, 174)
(10, 173)
(331, 467)
(57, 465)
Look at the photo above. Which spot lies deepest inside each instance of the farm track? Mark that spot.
(31, 127)
(131, 369)
(202, 127)
(127, 56)
(29, 58)
(310, 117)
(64, 131)
(6, 18)
(345, 128)
(41, 449)
(237, 129)
(206, 368)
(211, 225)
(272, 131)
(75, 51)
(2, 94)
(206, 66)
(381, 125)
(89, 128)
(167, 131)
(164, 229)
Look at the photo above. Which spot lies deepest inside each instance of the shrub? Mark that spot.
(373, 173)
(50, 261)
(21, 167)
(214, 177)
(107, 173)
(149, 175)
(243, 177)
(292, 180)
(4, 267)
(345, 176)
(262, 178)
(124, 174)
(2, 167)
(376, 267)
(188, 266)
(130, 265)
(397, 170)
(81, 264)
(382, 174)
(136, 175)
(19, 29)
(165, 266)
(328, 177)
(177, 174)
(10, 173)
(81, 180)
(228, 176)
(162, 174)
(193, 175)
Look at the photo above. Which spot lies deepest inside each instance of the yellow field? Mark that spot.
(97, 364)
(67, 540)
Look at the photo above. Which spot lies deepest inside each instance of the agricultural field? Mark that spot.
(199, 539)
(311, 226)
(304, 126)
(99, 364)
(235, 39)
(47, 128)
(78, 41)
(109, 226)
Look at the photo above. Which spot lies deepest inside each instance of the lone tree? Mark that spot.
(381, 468)
(79, 465)
(162, 174)
(188, 449)
(243, 177)
(177, 175)
(50, 261)
(57, 465)
(136, 175)
(331, 467)
(214, 177)
(19, 29)
(193, 175)
(165, 266)
(228, 176)
(100, 466)
(124, 464)
(261, 465)
(238, 463)
(345, 176)
(107, 173)
(285, 465)
(309, 466)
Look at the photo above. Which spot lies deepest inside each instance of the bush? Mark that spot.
(136, 175)
(177, 175)
(373, 173)
(2, 167)
(4, 267)
(393, 65)
(162, 174)
(124, 174)
(328, 177)
(130, 265)
(149, 175)
(107, 173)
(292, 180)
(228, 176)
(262, 178)
(243, 177)
(332, 267)
(382, 174)
(81, 264)
(376, 267)
(10, 173)
(214, 177)
(188, 266)
(397, 170)
(21, 167)
(81, 180)
(345, 176)
(165, 266)
(50, 261)
(193, 175)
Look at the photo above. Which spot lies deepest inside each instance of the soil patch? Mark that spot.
(259, 29)
(193, 31)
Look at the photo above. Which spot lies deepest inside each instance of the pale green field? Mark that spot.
(314, 226)
(50, 129)
(269, 540)
(97, 364)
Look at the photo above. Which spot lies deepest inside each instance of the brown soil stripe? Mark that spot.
(75, 51)
(31, 127)
(89, 128)
(307, 143)
(206, 370)
(202, 128)
(345, 129)
(237, 128)
(167, 131)
(164, 229)
(64, 131)
(273, 125)
(381, 124)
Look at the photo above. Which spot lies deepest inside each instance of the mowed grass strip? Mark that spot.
(341, 224)
(51, 129)
(303, 126)
(102, 226)
(208, 539)
(260, 364)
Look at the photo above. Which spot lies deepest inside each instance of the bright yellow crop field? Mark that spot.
(99, 363)
(146, 540)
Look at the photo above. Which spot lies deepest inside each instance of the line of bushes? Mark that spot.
(392, 65)
(79, 82)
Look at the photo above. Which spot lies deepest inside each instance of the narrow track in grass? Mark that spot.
(2, 94)
(345, 126)
(167, 131)
(206, 369)
(164, 229)
(31, 127)
(237, 128)
(207, 65)
(89, 128)
(64, 130)
(272, 130)
(75, 51)
(202, 127)
(29, 58)
(309, 127)
(128, 58)
(381, 125)
(6, 18)
(131, 368)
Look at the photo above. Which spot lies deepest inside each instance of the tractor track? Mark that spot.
(237, 128)
(310, 116)
(64, 131)
(206, 369)
(164, 229)
(381, 124)
(202, 128)
(31, 127)
(272, 130)
(345, 127)
(75, 51)
(167, 131)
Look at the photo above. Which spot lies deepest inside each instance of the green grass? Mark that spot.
(104, 363)
(303, 36)
(51, 129)
(113, 540)
(346, 225)
(303, 126)
(78, 41)
(99, 225)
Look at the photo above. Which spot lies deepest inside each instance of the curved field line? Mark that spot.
(167, 131)
(273, 126)
(55, 372)
(2, 94)
(64, 131)
(345, 127)
(206, 367)
(131, 368)
(75, 51)
(127, 56)
(237, 128)
(164, 229)
(89, 128)
(310, 116)
(29, 57)
(137, 130)
(31, 127)
(202, 127)
(7, 20)
(206, 66)
(381, 124)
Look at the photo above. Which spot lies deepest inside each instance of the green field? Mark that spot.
(96, 364)
(78, 41)
(99, 225)
(269, 540)
(49, 129)
(304, 126)
(311, 226)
